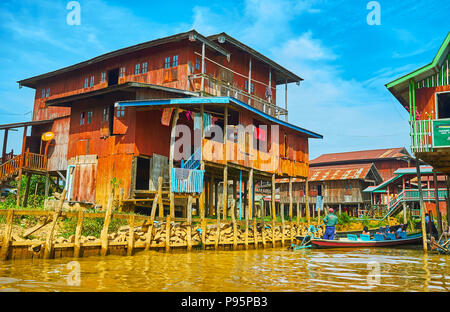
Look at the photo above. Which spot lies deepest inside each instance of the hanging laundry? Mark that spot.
(188, 115)
(166, 115)
(207, 121)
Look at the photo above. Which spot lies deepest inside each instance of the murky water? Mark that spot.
(252, 270)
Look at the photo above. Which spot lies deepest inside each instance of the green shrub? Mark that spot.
(91, 226)
(344, 218)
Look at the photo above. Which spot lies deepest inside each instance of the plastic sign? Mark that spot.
(47, 136)
(441, 133)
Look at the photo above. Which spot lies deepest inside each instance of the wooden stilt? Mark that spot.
(130, 236)
(308, 217)
(422, 206)
(152, 219)
(168, 229)
(255, 233)
(189, 222)
(274, 214)
(7, 235)
(104, 232)
(282, 225)
(160, 202)
(233, 220)
(22, 159)
(225, 192)
(172, 205)
(27, 190)
(263, 232)
(79, 228)
(438, 212)
(49, 240)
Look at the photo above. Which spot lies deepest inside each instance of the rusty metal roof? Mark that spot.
(337, 172)
(369, 155)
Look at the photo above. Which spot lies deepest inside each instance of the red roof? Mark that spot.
(385, 153)
(336, 172)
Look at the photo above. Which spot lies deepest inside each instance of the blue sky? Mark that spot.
(345, 62)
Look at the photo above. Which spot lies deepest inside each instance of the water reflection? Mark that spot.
(246, 270)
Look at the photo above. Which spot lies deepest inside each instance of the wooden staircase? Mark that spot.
(28, 162)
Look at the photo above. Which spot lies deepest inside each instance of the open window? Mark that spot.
(443, 105)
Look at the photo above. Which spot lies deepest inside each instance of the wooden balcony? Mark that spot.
(28, 161)
(215, 87)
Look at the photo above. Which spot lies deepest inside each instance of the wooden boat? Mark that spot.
(337, 235)
(354, 242)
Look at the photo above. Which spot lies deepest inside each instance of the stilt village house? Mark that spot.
(338, 180)
(114, 121)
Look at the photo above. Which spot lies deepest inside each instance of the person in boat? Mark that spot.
(429, 223)
(365, 231)
(330, 222)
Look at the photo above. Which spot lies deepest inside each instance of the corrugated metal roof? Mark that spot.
(338, 172)
(25, 123)
(385, 153)
(214, 100)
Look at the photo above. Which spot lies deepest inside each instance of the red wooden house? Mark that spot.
(115, 120)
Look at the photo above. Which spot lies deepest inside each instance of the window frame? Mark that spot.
(167, 62)
(137, 69)
(92, 81)
(144, 68)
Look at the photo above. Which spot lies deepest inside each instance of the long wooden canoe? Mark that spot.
(347, 243)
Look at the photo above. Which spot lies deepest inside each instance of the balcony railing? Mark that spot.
(217, 87)
(186, 180)
(429, 134)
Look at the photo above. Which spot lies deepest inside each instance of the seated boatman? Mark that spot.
(330, 221)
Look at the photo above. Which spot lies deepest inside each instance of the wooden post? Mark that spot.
(422, 206)
(233, 220)
(172, 146)
(189, 222)
(340, 208)
(282, 224)
(246, 227)
(255, 233)
(152, 220)
(47, 184)
(79, 228)
(49, 240)
(436, 195)
(121, 199)
(211, 196)
(160, 203)
(130, 236)
(274, 214)
(5, 140)
(448, 199)
(216, 244)
(225, 192)
(172, 205)
(308, 217)
(263, 223)
(202, 87)
(22, 159)
(27, 190)
(251, 195)
(104, 233)
(290, 200)
(225, 169)
(168, 227)
(7, 235)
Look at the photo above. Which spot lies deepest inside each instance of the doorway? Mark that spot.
(113, 77)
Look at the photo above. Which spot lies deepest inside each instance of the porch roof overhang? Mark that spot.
(214, 100)
(127, 86)
(24, 124)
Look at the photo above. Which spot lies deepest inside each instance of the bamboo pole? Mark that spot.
(282, 224)
(233, 220)
(168, 227)
(189, 222)
(104, 232)
(216, 243)
(263, 232)
(130, 236)
(7, 235)
(49, 240)
(255, 233)
(160, 202)
(172, 205)
(225, 169)
(152, 219)
(308, 217)
(274, 214)
(77, 243)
